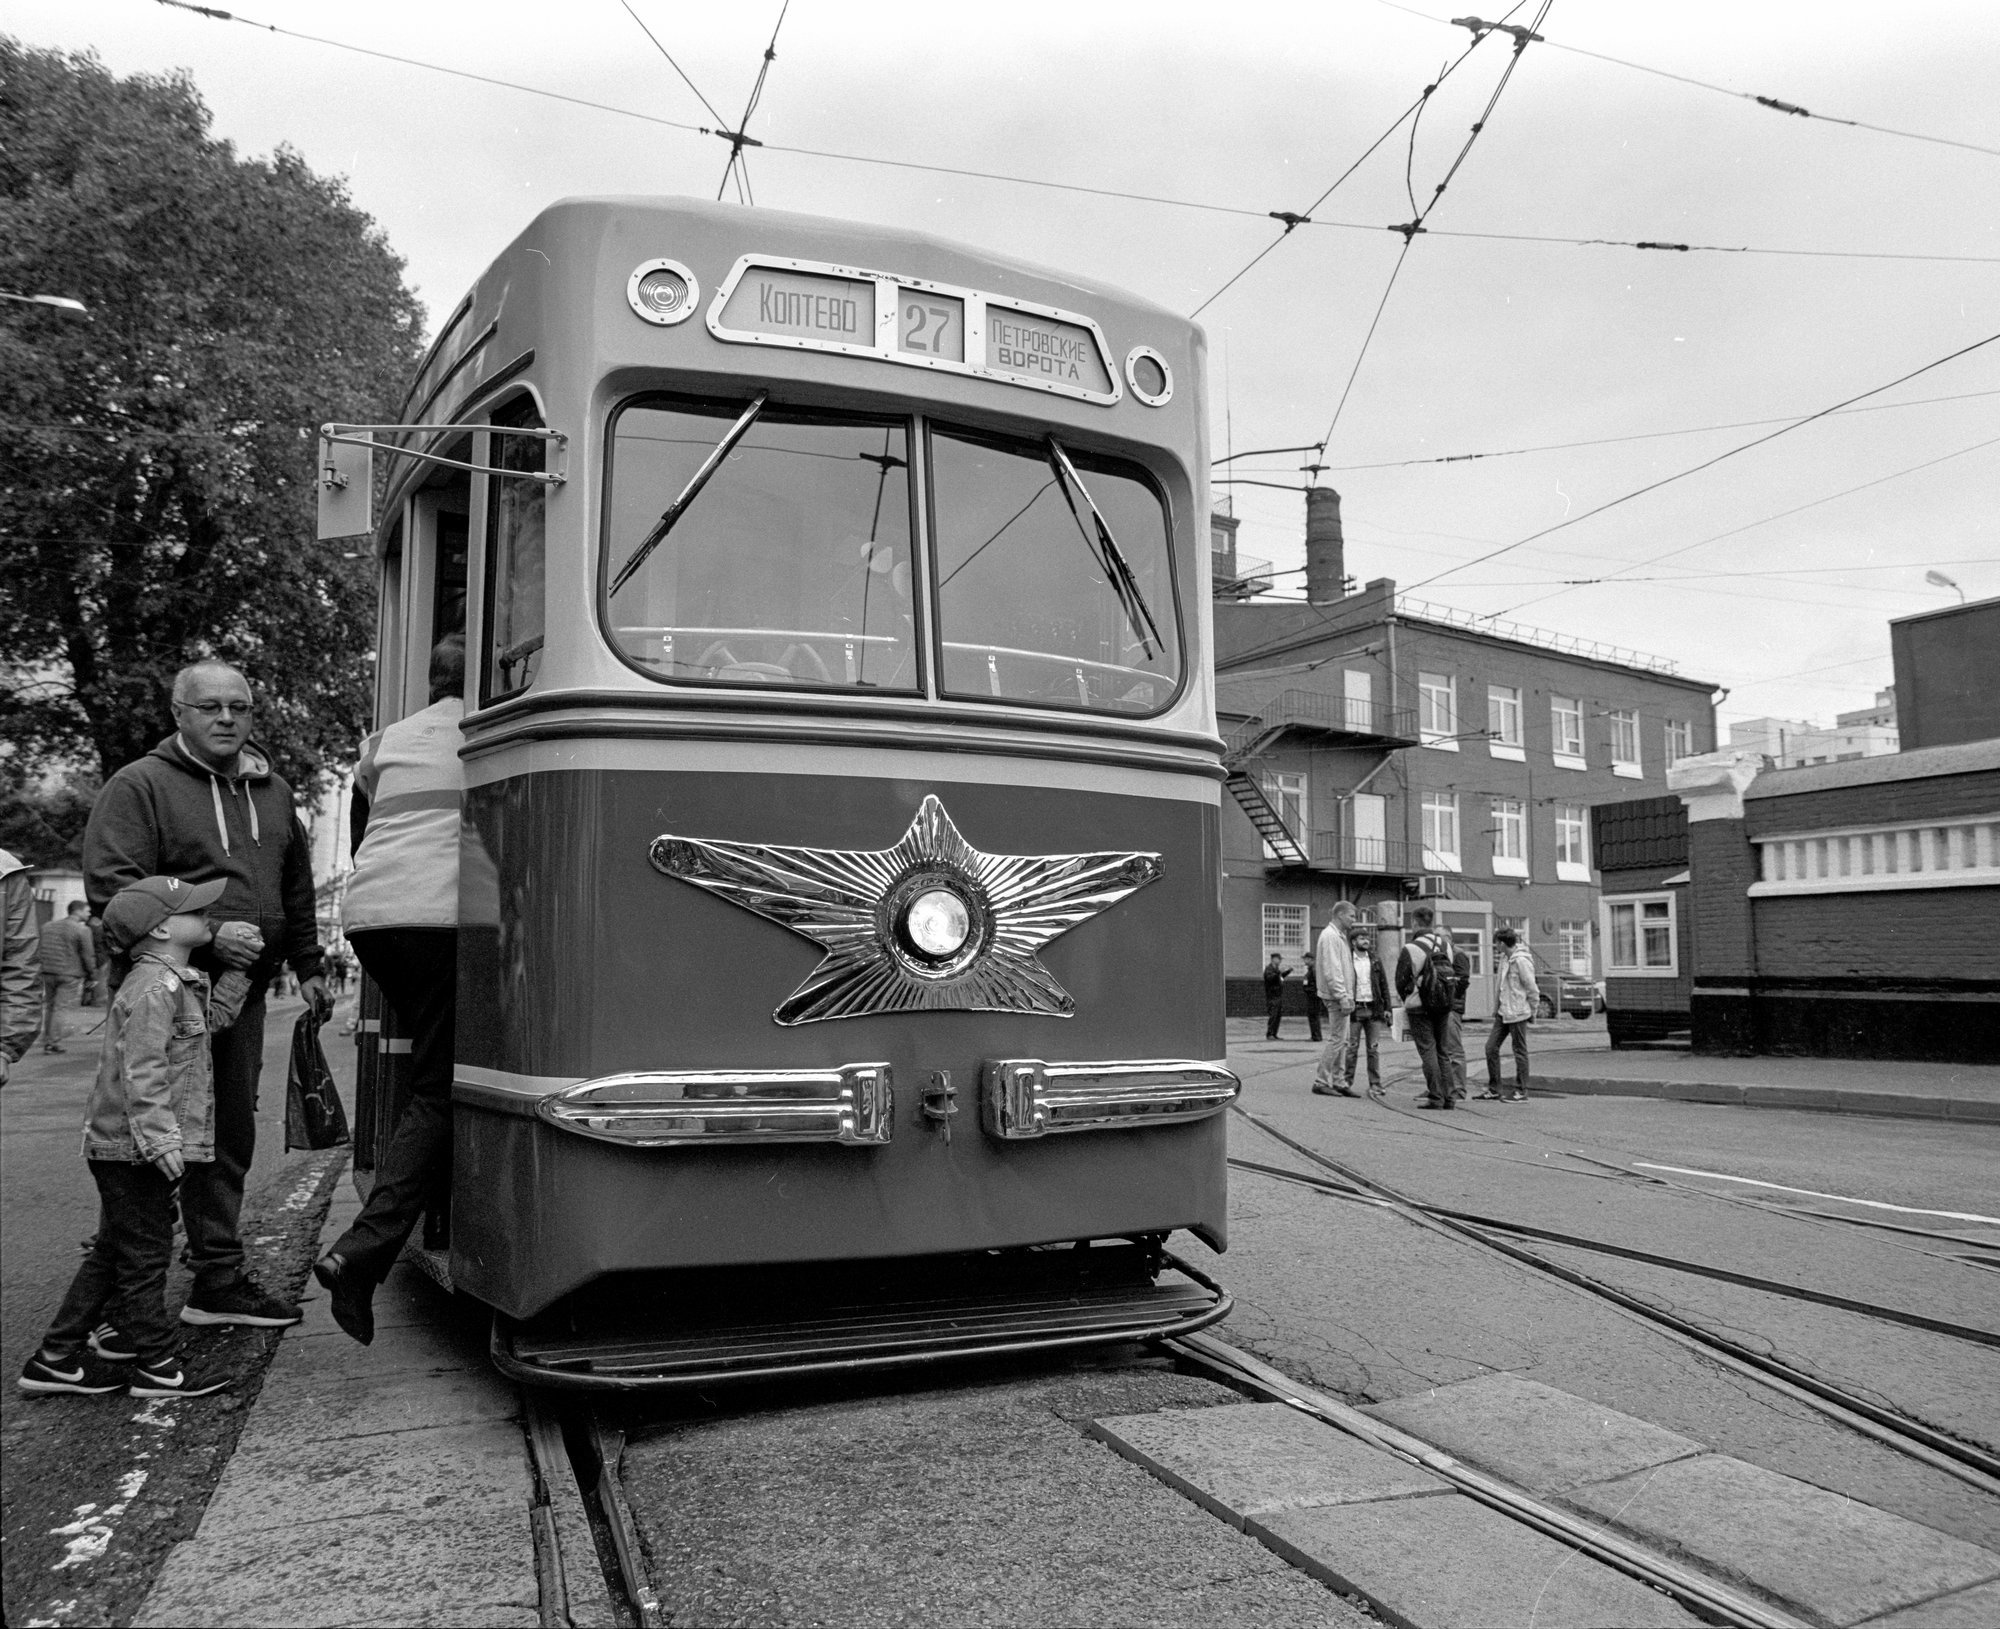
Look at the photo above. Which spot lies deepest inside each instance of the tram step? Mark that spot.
(771, 1329)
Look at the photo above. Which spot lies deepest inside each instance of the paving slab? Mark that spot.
(1832, 1557)
(1453, 1563)
(1255, 1459)
(1535, 1436)
(1975, 1608)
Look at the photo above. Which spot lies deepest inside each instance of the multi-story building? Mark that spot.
(1381, 748)
(1793, 743)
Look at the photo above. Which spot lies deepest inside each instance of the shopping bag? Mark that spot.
(314, 1117)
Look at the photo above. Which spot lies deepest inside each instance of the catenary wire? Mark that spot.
(1708, 463)
(677, 68)
(1775, 104)
(1239, 210)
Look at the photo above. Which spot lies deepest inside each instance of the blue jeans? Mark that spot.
(212, 1193)
(124, 1277)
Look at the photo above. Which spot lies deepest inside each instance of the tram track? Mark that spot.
(1937, 1449)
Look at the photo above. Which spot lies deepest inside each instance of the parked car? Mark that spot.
(1565, 992)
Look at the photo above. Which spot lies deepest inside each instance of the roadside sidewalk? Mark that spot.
(386, 1484)
(1582, 1063)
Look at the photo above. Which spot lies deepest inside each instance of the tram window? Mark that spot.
(448, 596)
(790, 567)
(516, 560)
(1034, 605)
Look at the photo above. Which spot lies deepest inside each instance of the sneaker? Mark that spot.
(243, 1302)
(80, 1372)
(1491, 1097)
(109, 1344)
(169, 1379)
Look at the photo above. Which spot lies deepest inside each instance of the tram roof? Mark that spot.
(570, 265)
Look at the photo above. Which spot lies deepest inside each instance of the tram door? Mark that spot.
(422, 600)
(1470, 924)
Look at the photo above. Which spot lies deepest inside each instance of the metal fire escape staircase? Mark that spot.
(1246, 743)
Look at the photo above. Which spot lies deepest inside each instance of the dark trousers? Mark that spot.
(417, 970)
(1274, 1010)
(1453, 1052)
(124, 1278)
(1494, 1038)
(1314, 1007)
(1428, 1035)
(212, 1193)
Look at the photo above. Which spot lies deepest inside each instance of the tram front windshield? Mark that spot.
(795, 565)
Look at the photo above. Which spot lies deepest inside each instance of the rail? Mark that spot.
(1343, 851)
(1317, 710)
(1521, 633)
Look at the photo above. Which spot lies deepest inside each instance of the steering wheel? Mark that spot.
(813, 659)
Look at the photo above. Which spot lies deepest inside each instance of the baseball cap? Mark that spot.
(135, 911)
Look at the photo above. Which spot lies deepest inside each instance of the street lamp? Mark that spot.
(1938, 579)
(55, 302)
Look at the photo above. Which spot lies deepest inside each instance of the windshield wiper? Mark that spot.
(1105, 547)
(691, 491)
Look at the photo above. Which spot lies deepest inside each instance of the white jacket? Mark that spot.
(1519, 995)
(406, 875)
(1333, 956)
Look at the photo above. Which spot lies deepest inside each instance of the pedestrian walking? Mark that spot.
(69, 961)
(400, 916)
(1371, 1012)
(150, 1121)
(20, 964)
(1275, 975)
(206, 805)
(1334, 969)
(1454, 1021)
(1423, 985)
(1516, 997)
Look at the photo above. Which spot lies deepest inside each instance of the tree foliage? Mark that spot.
(157, 461)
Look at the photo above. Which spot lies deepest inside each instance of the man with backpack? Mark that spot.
(1424, 985)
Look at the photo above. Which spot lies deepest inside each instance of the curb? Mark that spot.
(1890, 1105)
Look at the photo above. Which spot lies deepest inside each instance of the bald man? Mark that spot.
(204, 804)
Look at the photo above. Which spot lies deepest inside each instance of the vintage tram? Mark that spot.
(840, 951)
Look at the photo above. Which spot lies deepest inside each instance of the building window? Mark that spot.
(1284, 930)
(1510, 837)
(1573, 948)
(1639, 936)
(1572, 849)
(1566, 731)
(1503, 721)
(1680, 739)
(1437, 710)
(1441, 852)
(1625, 745)
(1287, 794)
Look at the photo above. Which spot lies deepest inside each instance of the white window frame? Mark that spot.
(1572, 860)
(1566, 745)
(1279, 922)
(1429, 686)
(1510, 831)
(1607, 909)
(1503, 718)
(1570, 934)
(1680, 740)
(1624, 722)
(1281, 787)
(1436, 809)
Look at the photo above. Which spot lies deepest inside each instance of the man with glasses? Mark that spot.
(205, 804)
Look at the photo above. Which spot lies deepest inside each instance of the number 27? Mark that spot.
(915, 314)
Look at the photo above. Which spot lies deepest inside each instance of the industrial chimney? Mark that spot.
(1326, 550)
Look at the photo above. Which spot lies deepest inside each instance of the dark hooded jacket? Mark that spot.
(170, 815)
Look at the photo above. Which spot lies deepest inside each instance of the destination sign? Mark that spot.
(1043, 350)
(803, 305)
(930, 324)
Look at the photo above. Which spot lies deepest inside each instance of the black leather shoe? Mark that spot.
(351, 1300)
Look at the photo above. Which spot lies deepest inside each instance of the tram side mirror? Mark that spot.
(346, 487)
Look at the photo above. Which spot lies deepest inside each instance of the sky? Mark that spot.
(1787, 559)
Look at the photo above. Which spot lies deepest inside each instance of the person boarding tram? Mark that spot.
(401, 920)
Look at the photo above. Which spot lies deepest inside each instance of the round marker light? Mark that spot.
(937, 923)
(663, 292)
(1146, 371)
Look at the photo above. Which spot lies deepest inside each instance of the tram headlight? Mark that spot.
(937, 923)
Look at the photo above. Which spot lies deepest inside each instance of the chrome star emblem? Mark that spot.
(931, 924)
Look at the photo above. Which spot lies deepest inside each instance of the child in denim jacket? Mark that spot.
(151, 1114)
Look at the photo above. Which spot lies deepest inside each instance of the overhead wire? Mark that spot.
(1775, 104)
(741, 137)
(671, 63)
(1242, 211)
(1709, 463)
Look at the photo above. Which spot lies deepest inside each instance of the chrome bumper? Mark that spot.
(1025, 1097)
(853, 1104)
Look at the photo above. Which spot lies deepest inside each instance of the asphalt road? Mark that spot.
(83, 1530)
(1382, 1308)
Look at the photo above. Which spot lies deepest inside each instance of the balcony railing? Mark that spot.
(1334, 715)
(1342, 851)
(1547, 638)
